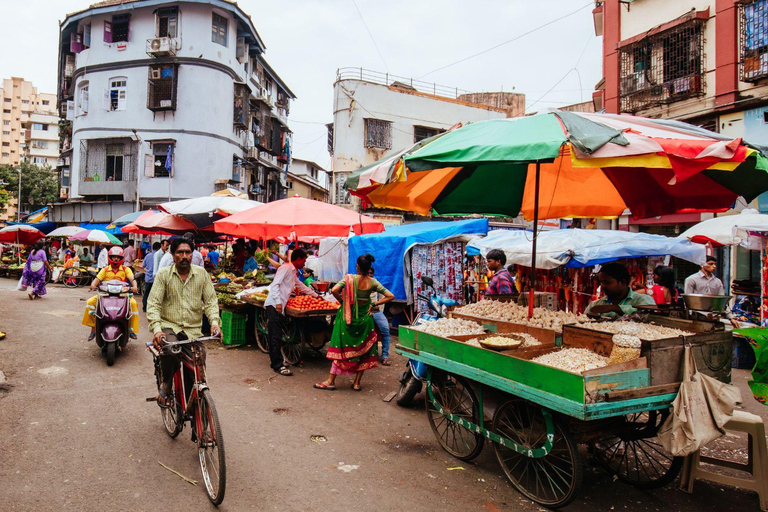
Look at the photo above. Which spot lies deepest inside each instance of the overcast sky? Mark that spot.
(307, 40)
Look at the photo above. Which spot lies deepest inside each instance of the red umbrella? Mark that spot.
(152, 223)
(20, 235)
(297, 217)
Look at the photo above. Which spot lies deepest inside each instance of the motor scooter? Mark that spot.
(415, 374)
(113, 314)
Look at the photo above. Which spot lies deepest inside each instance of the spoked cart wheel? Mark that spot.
(261, 330)
(451, 406)
(634, 454)
(542, 460)
(291, 343)
(71, 277)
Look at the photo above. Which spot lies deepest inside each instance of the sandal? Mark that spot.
(357, 387)
(2, 335)
(31, 296)
(163, 400)
(284, 371)
(386, 361)
(91, 337)
(324, 385)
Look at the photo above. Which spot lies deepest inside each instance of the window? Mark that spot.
(40, 127)
(6, 133)
(118, 29)
(46, 102)
(86, 37)
(424, 132)
(25, 102)
(114, 164)
(7, 100)
(753, 47)
(81, 107)
(237, 168)
(342, 195)
(663, 67)
(167, 22)
(39, 160)
(6, 123)
(115, 96)
(290, 185)
(6, 155)
(241, 105)
(40, 144)
(6, 144)
(65, 177)
(163, 159)
(219, 30)
(161, 88)
(378, 134)
(6, 111)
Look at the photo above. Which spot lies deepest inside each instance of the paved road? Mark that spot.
(76, 434)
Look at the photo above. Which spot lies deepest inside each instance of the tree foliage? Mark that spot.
(39, 184)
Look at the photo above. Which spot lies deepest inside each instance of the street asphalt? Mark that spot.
(76, 434)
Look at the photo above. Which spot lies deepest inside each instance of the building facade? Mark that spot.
(307, 179)
(375, 114)
(29, 124)
(168, 100)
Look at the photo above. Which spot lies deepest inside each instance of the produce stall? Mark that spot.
(608, 385)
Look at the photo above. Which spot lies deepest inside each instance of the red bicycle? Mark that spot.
(194, 405)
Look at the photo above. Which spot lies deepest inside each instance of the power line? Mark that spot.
(565, 75)
(371, 35)
(509, 41)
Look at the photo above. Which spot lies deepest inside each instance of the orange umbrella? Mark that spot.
(153, 223)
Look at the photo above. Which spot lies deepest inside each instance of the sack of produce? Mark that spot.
(626, 347)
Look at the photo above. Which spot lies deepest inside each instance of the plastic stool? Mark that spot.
(757, 462)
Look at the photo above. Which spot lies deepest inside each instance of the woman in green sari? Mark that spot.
(353, 342)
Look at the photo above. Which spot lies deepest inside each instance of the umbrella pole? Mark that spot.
(532, 284)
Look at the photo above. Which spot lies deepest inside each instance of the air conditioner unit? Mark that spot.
(160, 47)
(155, 73)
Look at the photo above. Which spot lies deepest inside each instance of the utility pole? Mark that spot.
(18, 198)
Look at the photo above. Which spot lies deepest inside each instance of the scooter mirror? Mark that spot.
(427, 281)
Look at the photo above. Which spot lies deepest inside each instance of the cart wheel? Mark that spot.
(451, 394)
(553, 480)
(291, 342)
(262, 340)
(634, 453)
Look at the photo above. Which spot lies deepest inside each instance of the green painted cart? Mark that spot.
(536, 415)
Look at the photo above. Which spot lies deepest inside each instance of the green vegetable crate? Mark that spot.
(233, 328)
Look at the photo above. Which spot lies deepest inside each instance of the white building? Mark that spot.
(375, 114)
(166, 100)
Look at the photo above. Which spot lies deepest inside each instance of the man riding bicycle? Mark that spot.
(180, 294)
(115, 271)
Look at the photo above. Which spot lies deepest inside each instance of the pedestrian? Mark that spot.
(353, 342)
(168, 258)
(34, 272)
(86, 260)
(283, 285)
(250, 264)
(501, 282)
(130, 254)
(149, 274)
(213, 256)
(663, 291)
(158, 255)
(103, 257)
(705, 282)
(382, 324)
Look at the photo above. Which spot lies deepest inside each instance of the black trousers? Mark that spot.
(145, 295)
(169, 363)
(274, 335)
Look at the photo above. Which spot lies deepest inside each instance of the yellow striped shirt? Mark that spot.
(178, 305)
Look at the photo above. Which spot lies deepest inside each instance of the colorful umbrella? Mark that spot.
(209, 205)
(20, 235)
(159, 223)
(590, 165)
(66, 231)
(230, 192)
(96, 236)
(725, 230)
(128, 218)
(296, 217)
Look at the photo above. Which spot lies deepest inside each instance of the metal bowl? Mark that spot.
(699, 302)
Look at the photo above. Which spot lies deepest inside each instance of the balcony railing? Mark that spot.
(753, 40)
(376, 77)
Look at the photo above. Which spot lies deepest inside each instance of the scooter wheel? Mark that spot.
(410, 387)
(110, 353)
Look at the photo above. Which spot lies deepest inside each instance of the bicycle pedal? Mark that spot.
(152, 399)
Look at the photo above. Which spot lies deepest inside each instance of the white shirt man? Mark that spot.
(103, 260)
(705, 282)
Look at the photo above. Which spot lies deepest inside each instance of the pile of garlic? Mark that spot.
(642, 331)
(576, 360)
(527, 339)
(511, 312)
(447, 327)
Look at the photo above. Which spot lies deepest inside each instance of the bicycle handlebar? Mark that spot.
(175, 346)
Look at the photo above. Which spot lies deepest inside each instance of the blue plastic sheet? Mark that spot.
(102, 227)
(391, 247)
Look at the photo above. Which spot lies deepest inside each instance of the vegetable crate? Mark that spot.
(233, 327)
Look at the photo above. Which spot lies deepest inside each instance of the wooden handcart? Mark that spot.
(300, 329)
(536, 415)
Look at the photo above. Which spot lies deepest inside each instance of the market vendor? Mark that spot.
(619, 298)
(501, 282)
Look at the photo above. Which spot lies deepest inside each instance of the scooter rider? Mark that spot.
(115, 271)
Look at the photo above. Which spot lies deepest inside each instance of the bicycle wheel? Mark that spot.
(172, 415)
(262, 340)
(453, 395)
(71, 277)
(211, 448)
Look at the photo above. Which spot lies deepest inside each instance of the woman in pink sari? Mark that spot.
(353, 343)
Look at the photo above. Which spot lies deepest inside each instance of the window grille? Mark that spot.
(753, 43)
(242, 106)
(108, 160)
(330, 137)
(663, 68)
(162, 87)
(424, 132)
(160, 158)
(219, 30)
(342, 194)
(378, 134)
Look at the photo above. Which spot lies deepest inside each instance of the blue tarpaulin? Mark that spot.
(391, 247)
(101, 227)
(45, 227)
